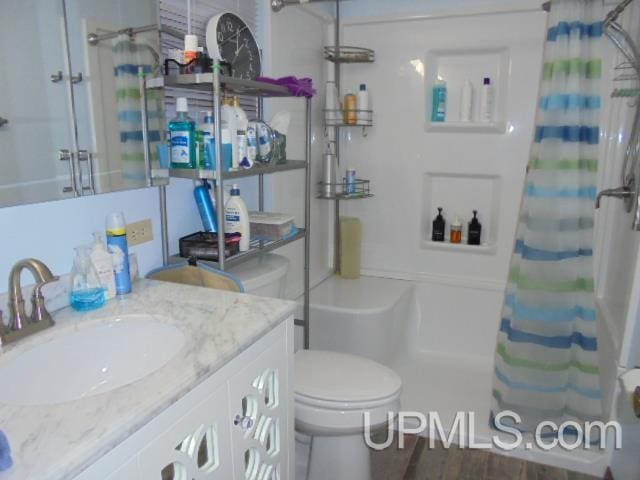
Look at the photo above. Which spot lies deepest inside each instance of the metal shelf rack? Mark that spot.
(340, 54)
(217, 85)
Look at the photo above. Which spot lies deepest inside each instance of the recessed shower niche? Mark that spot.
(459, 195)
(455, 68)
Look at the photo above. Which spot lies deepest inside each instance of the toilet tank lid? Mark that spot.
(341, 377)
(261, 270)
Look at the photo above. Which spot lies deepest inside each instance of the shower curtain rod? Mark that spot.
(610, 17)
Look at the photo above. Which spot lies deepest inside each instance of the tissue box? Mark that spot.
(271, 226)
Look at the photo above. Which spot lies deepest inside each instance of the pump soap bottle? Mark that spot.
(475, 230)
(437, 231)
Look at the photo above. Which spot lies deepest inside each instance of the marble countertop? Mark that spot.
(56, 442)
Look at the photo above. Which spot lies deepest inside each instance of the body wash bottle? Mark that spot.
(236, 218)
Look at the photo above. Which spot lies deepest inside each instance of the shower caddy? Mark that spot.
(219, 85)
(339, 54)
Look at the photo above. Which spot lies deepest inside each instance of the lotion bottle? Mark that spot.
(236, 218)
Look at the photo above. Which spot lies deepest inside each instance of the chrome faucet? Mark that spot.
(626, 193)
(21, 325)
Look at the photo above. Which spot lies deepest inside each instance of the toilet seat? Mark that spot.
(333, 390)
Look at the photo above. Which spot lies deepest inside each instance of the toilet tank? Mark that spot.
(264, 275)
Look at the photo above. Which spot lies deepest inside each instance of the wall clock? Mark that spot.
(229, 39)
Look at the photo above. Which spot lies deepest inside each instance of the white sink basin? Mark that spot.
(93, 359)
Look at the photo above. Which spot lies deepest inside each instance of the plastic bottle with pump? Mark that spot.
(182, 134)
(438, 227)
(236, 218)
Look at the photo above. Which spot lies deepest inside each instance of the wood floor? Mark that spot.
(417, 461)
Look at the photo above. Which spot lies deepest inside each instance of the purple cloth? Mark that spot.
(299, 87)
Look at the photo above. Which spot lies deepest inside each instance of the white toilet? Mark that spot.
(332, 390)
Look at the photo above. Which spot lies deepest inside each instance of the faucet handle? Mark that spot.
(39, 311)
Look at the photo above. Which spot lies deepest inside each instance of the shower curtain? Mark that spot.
(546, 362)
(129, 53)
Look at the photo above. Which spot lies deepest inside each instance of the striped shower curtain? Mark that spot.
(129, 53)
(546, 363)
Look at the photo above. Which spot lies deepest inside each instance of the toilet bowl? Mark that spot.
(332, 391)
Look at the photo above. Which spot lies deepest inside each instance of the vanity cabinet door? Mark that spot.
(196, 447)
(259, 406)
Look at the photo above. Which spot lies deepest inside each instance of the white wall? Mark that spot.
(49, 231)
(297, 36)
(398, 153)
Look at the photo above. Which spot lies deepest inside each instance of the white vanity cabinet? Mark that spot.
(237, 424)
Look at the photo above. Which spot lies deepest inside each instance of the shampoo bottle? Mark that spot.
(103, 263)
(475, 230)
(364, 114)
(119, 248)
(439, 102)
(182, 134)
(466, 102)
(438, 227)
(205, 207)
(486, 101)
(236, 219)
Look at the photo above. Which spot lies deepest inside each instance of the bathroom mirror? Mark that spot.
(70, 118)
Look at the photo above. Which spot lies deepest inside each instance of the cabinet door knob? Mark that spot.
(245, 423)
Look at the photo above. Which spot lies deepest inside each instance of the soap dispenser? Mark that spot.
(475, 230)
(438, 229)
(87, 293)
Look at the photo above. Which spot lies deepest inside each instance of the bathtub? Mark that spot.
(439, 338)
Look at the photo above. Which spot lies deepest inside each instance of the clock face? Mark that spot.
(238, 47)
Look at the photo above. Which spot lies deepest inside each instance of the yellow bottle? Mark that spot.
(350, 109)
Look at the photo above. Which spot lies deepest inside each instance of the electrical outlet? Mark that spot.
(140, 232)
